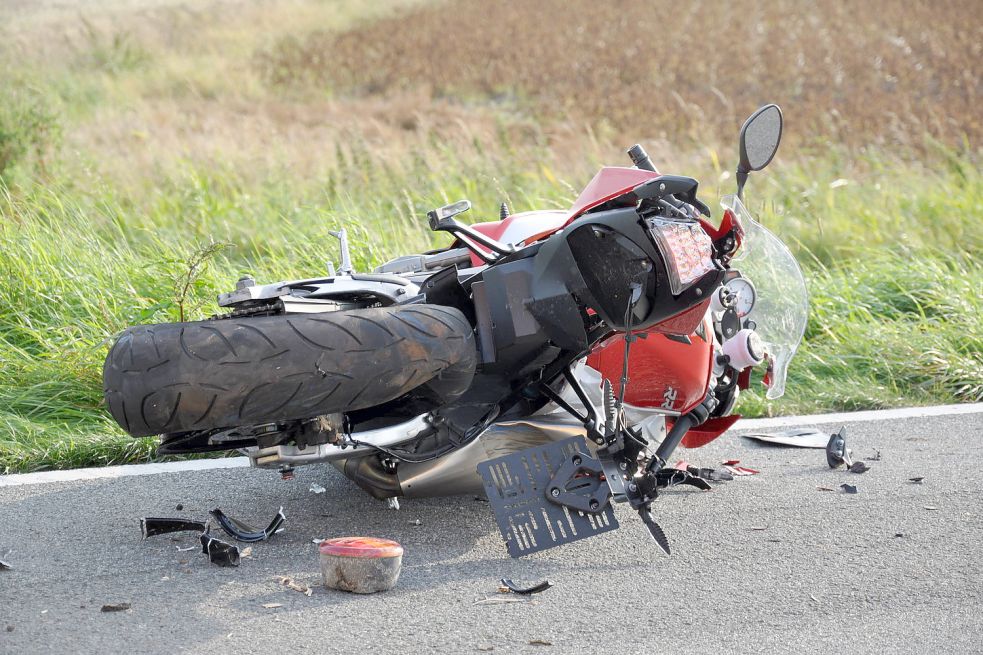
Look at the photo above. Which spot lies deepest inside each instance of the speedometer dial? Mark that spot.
(744, 295)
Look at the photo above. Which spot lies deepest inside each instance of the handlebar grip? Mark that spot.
(640, 158)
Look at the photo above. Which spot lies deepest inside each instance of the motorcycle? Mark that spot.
(553, 360)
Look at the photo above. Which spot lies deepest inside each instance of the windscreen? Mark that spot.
(781, 307)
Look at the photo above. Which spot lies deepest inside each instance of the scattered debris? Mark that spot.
(796, 437)
(858, 467)
(537, 588)
(118, 607)
(814, 599)
(705, 473)
(416, 522)
(10, 628)
(931, 508)
(184, 550)
(392, 503)
(316, 488)
(218, 551)
(837, 454)
(486, 649)
(916, 480)
(246, 552)
(759, 528)
(4, 564)
(540, 642)
(243, 531)
(825, 489)
(848, 488)
(502, 599)
(899, 534)
(731, 466)
(272, 606)
(290, 583)
(317, 541)
(179, 507)
(152, 526)
(876, 456)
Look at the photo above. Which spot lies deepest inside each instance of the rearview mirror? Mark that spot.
(760, 136)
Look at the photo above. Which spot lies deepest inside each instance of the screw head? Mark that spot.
(623, 466)
(594, 504)
(632, 486)
(555, 492)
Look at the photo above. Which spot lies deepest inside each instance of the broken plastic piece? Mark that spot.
(4, 565)
(525, 591)
(244, 532)
(917, 480)
(836, 451)
(797, 437)
(316, 488)
(218, 551)
(848, 488)
(115, 607)
(731, 467)
(151, 526)
(858, 467)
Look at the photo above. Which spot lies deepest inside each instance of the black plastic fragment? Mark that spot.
(525, 591)
(858, 467)
(152, 526)
(115, 607)
(4, 565)
(837, 453)
(848, 488)
(243, 531)
(218, 551)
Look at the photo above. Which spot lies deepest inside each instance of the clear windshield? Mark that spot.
(781, 305)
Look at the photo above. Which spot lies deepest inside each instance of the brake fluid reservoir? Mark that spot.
(744, 349)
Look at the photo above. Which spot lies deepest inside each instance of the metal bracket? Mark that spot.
(578, 485)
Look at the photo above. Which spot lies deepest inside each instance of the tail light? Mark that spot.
(686, 249)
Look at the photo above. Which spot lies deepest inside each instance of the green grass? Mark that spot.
(893, 270)
(145, 165)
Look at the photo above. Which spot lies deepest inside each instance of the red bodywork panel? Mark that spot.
(701, 435)
(610, 182)
(529, 227)
(662, 372)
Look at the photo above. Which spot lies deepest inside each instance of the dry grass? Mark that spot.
(860, 73)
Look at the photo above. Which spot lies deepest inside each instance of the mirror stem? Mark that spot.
(741, 181)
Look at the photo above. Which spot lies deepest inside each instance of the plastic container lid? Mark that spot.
(368, 547)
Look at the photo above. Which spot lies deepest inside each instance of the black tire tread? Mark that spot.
(177, 377)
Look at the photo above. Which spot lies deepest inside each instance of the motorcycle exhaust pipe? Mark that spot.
(456, 473)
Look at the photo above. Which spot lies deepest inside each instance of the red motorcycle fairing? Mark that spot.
(664, 371)
(529, 227)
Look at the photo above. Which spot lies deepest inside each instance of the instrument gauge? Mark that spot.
(744, 295)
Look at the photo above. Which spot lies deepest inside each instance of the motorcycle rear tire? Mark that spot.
(203, 375)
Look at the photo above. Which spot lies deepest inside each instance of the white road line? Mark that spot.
(109, 472)
(125, 470)
(859, 417)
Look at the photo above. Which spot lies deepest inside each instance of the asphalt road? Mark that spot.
(766, 563)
